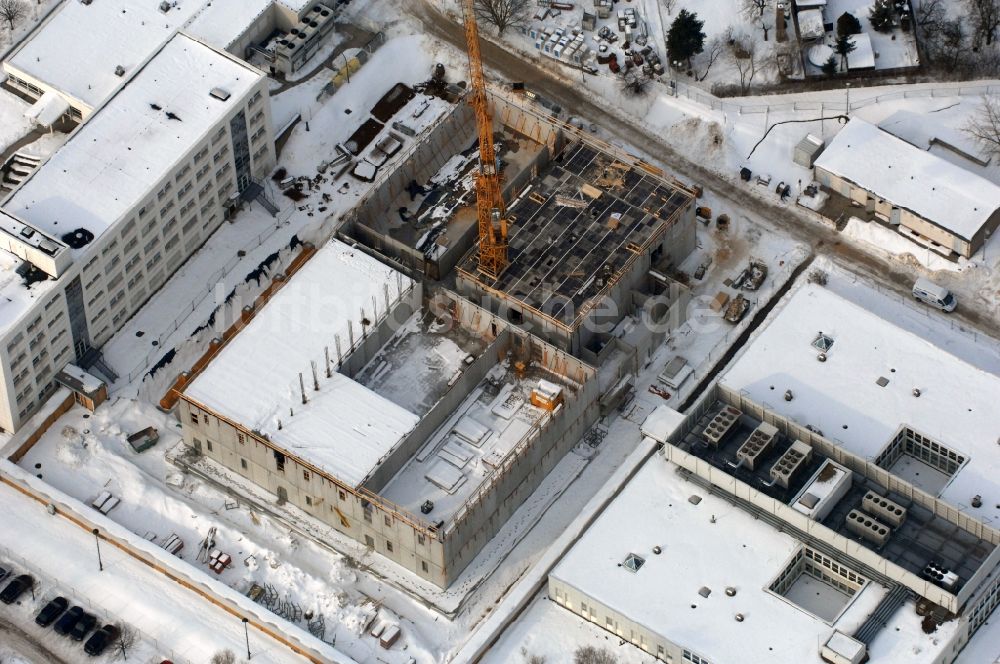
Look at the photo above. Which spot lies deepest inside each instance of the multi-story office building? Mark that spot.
(102, 224)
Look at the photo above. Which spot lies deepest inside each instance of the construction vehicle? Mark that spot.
(491, 214)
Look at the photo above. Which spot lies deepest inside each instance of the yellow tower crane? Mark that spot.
(489, 202)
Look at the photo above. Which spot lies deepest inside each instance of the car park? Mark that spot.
(83, 626)
(100, 640)
(67, 622)
(51, 611)
(16, 588)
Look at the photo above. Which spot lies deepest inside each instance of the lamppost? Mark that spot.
(246, 632)
(847, 111)
(97, 540)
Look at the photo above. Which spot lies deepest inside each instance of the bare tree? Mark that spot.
(13, 11)
(669, 6)
(223, 657)
(985, 15)
(125, 641)
(503, 14)
(592, 655)
(753, 9)
(743, 53)
(715, 48)
(634, 82)
(984, 126)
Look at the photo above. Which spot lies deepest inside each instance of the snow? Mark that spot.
(124, 33)
(661, 423)
(48, 109)
(841, 397)
(254, 380)
(221, 22)
(713, 544)
(811, 26)
(862, 57)
(114, 159)
(947, 195)
(880, 239)
(87, 381)
(13, 124)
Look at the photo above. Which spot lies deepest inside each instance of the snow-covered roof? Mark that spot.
(78, 49)
(735, 551)
(956, 405)
(48, 109)
(863, 55)
(914, 128)
(125, 148)
(945, 194)
(221, 22)
(345, 429)
(811, 24)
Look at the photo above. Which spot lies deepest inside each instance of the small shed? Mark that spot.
(807, 150)
(89, 391)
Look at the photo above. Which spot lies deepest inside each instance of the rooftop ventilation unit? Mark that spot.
(757, 445)
(790, 463)
(220, 94)
(822, 342)
(119, 71)
(720, 425)
(868, 527)
(942, 576)
(884, 509)
(165, 6)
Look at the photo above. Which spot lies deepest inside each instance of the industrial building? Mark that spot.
(416, 428)
(843, 431)
(105, 221)
(85, 51)
(594, 233)
(929, 200)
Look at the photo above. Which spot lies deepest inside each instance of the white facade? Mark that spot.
(148, 188)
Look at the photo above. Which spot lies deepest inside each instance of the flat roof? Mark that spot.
(735, 551)
(558, 249)
(949, 196)
(345, 429)
(123, 150)
(77, 50)
(842, 398)
(221, 22)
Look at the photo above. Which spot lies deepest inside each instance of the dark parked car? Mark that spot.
(52, 610)
(16, 588)
(83, 626)
(100, 640)
(68, 620)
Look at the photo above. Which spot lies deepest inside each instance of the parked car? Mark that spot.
(83, 626)
(52, 610)
(16, 588)
(67, 621)
(100, 640)
(938, 297)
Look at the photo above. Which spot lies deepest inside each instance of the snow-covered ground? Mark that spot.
(13, 124)
(37, 11)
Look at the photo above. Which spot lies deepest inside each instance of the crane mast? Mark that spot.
(489, 202)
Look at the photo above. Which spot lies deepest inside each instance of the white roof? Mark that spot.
(863, 56)
(956, 406)
(345, 429)
(737, 550)
(77, 50)
(124, 149)
(221, 22)
(941, 192)
(811, 23)
(661, 423)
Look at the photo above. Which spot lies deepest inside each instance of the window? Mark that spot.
(369, 541)
(204, 417)
(341, 494)
(388, 519)
(388, 546)
(421, 539)
(279, 461)
(243, 464)
(424, 567)
(209, 443)
(194, 417)
(242, 438)
(368, 514)
(309, 501)
(305, 475)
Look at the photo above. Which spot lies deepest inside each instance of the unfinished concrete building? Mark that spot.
(414, 428)
(594, 232)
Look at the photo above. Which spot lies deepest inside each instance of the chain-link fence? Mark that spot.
(342, 74)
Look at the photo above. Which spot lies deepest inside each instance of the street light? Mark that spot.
(246, 632)
(847, 111)
(97, 540)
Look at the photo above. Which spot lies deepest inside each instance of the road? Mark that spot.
(12, 638)
(574, 96)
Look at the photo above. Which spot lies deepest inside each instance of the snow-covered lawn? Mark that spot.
(13, 124)
(892, 49)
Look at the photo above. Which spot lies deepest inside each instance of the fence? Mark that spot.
(211, 282)
(47, 587)
(838, 104)
(341, 75)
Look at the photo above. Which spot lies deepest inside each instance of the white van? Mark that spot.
(934, 295)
